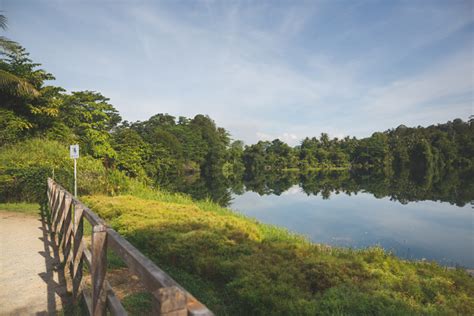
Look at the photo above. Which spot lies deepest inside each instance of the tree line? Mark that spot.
(420, 149)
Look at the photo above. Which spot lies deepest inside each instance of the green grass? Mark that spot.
(26, 208)
(238, 266)
(138, 303)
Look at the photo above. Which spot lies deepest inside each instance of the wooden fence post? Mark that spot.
(52, 194)
(58, 213)
(54, 204)
(66, 241)
(99, 269)
(65, 223)
(50, 191)
(61, 228)
(169, 301)
(77, 252)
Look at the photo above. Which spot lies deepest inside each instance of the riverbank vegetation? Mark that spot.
(238, 266)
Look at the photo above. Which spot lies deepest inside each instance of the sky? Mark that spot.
(261, 69)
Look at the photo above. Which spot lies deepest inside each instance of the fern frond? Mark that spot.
(7, 45)
(3, 22)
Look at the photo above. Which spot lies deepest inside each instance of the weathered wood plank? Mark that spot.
(151, 276)
(78, 256)
(196, 308)
(67, 249)
(99, 269)
(67, 229)
(61, 228)
(78, 232)
(77, 252)
(53, 207)
(168, 300)
(77, 279)
(113, 303)
(87, 257)
(56, 209)
(59, 212)
(50, 191)
(54, 196)
(93, 218)
(86, 293)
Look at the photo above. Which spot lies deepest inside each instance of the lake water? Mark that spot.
(416, 215)
(426, 229)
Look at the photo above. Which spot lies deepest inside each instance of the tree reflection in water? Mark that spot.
(453, 186)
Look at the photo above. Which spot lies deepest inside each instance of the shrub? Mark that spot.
(25, 166)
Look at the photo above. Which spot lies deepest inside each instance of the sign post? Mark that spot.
(74, 154)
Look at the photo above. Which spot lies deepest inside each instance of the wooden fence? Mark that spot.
(67, 225)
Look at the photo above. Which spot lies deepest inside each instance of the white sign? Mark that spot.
(74, 151)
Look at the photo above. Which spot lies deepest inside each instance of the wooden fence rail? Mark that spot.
(67, 225)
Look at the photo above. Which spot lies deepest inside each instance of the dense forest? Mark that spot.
(449, 145)
(164, 148)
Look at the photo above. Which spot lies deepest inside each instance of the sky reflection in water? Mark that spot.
(426, 229)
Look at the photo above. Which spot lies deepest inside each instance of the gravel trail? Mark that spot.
(28, 282)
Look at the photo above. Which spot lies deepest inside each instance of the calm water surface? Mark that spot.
(425, 229)
(415, 214)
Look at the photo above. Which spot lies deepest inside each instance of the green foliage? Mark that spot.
(236, 265)
(132, 151)
(423, 152)
(25, 166)
(47, 111)
(138, 303)
(11, 127)
(176, 148)
(324, 153)
(91, 117)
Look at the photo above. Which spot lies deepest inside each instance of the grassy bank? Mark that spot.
(26, 208)
(238, 266)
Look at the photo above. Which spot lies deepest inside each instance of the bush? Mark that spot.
(25, 167)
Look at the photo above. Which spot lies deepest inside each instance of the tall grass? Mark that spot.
(21, 207)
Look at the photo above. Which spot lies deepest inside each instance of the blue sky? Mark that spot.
(261, 69)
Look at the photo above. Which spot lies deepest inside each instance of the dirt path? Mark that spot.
(28, 283)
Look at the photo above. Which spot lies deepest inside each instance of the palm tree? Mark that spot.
(9, 83)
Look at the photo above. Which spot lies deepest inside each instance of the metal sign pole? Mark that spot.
(74, 154)
(75, 177)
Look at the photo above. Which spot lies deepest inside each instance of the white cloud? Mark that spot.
(261, 71)
(288, 138)
(454, 76)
